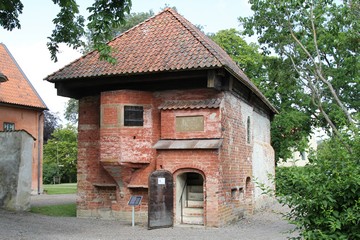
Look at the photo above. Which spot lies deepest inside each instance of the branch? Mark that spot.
(315, 37)
(319, 74)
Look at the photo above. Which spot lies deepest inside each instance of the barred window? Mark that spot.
(8, 126)
(133, 116)
(248, 130)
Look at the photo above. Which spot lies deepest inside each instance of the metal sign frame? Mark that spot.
(135, 200)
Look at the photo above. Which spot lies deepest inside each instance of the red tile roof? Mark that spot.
(18, 89)
(190, 104)
(165, 42)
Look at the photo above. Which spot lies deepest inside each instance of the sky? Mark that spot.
(28, 44)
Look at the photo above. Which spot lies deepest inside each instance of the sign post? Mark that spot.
(134, 201)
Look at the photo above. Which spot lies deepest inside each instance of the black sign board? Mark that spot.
(135, 200)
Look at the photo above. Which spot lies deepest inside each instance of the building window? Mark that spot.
(8, 126)
(133, 116)
(248, 130)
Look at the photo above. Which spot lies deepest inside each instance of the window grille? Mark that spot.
(9, 126)
(133, 116)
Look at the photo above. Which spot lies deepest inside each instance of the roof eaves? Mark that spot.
(23, 105)
(51, 77)
(25, 77)
(253, 88)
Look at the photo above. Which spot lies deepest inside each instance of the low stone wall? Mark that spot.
(16, 151)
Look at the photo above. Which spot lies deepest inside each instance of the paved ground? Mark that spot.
(24, 226)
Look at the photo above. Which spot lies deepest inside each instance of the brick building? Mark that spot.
(21, 108)
(173, 103)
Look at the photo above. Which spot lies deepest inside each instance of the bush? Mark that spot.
(324, 196)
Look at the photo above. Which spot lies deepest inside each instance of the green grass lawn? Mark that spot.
(65, 210)
(64, 188)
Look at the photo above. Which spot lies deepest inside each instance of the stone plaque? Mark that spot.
(189, 123)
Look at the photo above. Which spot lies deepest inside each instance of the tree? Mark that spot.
(72, 111)
(60, 155)
(245, 55)
(324, 195)
(70, 25)
(276, 79)
(130, 20)
(321, 39)
(51, 122)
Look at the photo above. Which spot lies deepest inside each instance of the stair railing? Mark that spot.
(181, 200)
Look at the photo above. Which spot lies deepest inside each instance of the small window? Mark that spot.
(133, 116)
(248, 130)
(9, 126)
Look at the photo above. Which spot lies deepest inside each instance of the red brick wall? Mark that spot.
(128, 152)
(124, 143)
(235, 161)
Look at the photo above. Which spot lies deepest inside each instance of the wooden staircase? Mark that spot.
(193, 211)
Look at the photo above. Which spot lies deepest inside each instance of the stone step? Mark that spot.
(195, 188)
(196, 196)
(193, 211)
(194, 203)
(195, 220)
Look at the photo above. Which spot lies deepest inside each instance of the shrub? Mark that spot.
(324, 196)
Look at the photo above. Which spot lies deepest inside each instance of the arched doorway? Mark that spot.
(190, 198)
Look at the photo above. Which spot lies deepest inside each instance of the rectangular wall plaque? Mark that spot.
(189, 123)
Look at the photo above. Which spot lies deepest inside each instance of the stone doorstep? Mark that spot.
(196, 220)
(193, 211)
(195, 203)
(195, 196)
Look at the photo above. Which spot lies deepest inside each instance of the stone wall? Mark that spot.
(31, 121)
(16, 151)
(263, 158)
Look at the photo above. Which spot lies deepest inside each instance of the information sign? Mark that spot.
(135, 200)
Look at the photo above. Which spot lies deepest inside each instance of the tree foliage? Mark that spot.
(70, 26)
(60, 155)
(279, 83)
(130, 20)
(321, 40)
(324, 195)
(51, 122)
(72, 111)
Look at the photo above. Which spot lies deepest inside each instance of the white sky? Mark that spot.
(28, 45)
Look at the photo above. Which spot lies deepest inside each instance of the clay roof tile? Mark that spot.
(17, 90)
(164, 42)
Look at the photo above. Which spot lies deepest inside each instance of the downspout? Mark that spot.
(39, 153)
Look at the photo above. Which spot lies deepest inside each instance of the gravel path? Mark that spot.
(24, 225)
